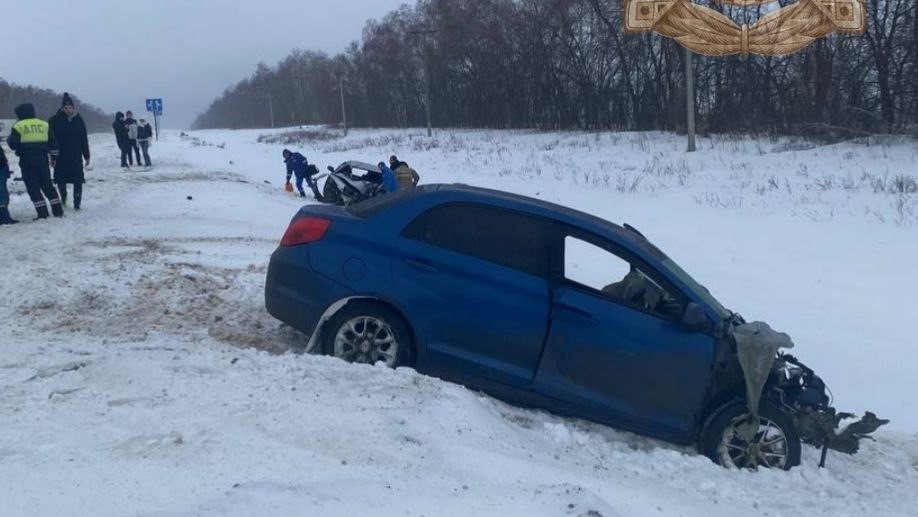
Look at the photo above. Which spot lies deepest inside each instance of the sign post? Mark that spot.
(155, 106)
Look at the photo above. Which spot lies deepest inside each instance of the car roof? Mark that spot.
(356, 164)
(460, 192)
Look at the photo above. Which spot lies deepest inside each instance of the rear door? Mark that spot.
(474, 279)
(616, 346)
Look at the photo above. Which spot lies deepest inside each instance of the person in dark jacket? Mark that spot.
(35, 145)
(131, 125)
(4, 193)
(297, 165)
(70, 132)
(144, 135)
(121, 137)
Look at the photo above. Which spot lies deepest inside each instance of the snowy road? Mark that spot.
(141, 375)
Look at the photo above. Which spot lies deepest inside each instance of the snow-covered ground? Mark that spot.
(141, 375)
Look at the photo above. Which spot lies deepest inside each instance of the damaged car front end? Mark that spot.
(804, 396)
(778, 402)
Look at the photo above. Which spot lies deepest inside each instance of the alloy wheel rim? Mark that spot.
(368, 340)
(768, 448)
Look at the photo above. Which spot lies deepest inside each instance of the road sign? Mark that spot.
(155, 106)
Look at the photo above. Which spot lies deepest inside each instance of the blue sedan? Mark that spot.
(540, 305)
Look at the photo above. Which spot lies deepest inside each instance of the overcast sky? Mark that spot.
(117, 53)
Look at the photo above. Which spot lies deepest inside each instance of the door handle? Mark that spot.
(421, 265)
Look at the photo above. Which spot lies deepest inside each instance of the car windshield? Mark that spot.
(696, 288)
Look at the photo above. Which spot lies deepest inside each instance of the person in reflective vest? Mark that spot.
(33, 142)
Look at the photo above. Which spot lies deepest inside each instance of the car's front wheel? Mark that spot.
(368, 333)
(774, 443)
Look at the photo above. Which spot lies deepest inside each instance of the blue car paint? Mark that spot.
(504, 331)
(609, 358)
(509, 309)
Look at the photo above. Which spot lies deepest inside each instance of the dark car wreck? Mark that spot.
(511, 296)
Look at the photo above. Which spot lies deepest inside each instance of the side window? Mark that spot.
(591, 265)
(500, 236)
(604, 271)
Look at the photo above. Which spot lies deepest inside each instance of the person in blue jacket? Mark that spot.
(297, 165)
(388, 178)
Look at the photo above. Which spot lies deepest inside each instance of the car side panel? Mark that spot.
(612, 359)
(294, 293)
(478, 318)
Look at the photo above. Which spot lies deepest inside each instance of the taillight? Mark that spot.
(305, 230)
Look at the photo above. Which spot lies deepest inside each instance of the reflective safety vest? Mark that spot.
(32, 131)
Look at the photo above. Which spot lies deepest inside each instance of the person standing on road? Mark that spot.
(36, 147)
(4, 193)
(70, 132)
(297, 165)
(144, 135)
(121, 137)
(131, 126)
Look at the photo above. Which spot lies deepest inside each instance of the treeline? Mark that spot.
(565, 64)
(47, 102)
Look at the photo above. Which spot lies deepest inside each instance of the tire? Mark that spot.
(367, 333)
(720, 441)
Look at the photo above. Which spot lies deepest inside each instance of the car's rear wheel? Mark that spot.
(774, 444)
(368, 333)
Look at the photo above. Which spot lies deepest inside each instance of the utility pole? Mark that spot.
(341, 91)
(271, 106)
(427, 88)
(690, 100)
(424, 33)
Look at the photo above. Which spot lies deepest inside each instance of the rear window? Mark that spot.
(500, 236)
(375, 205)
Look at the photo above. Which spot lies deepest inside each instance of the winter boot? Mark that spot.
(56, 208)
(5, 216)
(42, 209)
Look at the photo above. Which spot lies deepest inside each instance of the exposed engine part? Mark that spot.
(803, 395)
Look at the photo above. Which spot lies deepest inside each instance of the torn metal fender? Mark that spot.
(756, 347)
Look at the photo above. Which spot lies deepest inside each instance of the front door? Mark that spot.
(616, 348)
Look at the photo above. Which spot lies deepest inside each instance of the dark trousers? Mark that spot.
(310, 182)
(132, 144)
(4, 191)
(77, 193)
(37, 178)
(144, 146)
(125, 154)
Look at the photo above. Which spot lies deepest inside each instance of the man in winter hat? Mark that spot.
(297, 165)
(36, 147)
(4, 193)
(121, 137)
(70, 132)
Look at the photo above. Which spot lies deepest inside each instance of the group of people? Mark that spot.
(129, 133)
(394, 176)
(62, 144)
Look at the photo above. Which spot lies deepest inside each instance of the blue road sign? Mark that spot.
(155, 106)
